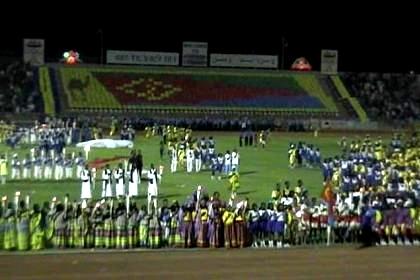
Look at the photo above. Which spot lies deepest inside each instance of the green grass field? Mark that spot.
(260, 169)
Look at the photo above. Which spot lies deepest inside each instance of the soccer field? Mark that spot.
(260, 169)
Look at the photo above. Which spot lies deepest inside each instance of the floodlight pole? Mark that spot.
(101, 40)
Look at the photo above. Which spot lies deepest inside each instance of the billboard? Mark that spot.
(329, 62)
(142, 58)
(194, 54)
(34, 51)
(242, 60)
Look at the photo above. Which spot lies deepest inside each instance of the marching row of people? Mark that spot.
(41, 166)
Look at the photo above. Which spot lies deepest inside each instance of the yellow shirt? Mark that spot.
(3, 167)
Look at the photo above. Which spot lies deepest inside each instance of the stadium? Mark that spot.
(168, 164)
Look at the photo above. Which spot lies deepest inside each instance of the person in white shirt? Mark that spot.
(120, 178)
(174, 160)
(15, 167)
(197, 159)
(80, 162)
(190, 160)
(133, 182)
(228, 162)
(85, 176)
(27, 164)
(106, 182)
(235, 160)
(152, 189)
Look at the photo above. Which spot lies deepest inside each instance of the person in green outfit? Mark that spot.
(109, 227)
(143, 219)
(133, 226)
(22, 226)
(98, 226)
(10, 235)
(37, 232)
(60, 227)
(121, 227)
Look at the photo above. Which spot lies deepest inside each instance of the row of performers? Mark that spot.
(210, 223)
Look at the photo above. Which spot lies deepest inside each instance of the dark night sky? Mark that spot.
(371, 39)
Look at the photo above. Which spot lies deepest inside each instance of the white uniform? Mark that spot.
(197, 160)
(15, 168)
(228, 163)
(68, 163)
(174, 160)
(152, 189)
(106, 183)
(26, 168)
(119, 186)
(37, 162)
(58, 171)
(86, 180)
(80, 163)
(48, 168)
(190, 160)
(133, 183)
(235, 161)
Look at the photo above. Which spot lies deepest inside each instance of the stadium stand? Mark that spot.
(178, 90)
(18, 93)
(381, 94)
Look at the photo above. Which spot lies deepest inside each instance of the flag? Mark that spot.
(328, 193)
(329, 197)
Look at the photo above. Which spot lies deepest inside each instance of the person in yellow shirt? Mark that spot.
(3, 169)
(229, 229)
(233, 181)
(292, 156)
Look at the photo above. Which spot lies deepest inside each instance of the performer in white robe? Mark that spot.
(152, 189)
(106, 182)
(119, 177)
(133, 182)
(86, 184)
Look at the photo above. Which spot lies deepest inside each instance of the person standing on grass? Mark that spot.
(133, 182)
(106, 182)
(235, 160)
(3, 169)
(197, 159)
(22, 227)
(27, 166)
(161, 149)
(152, 189)
(80, 163)
(86, 178)
(68, 164)
(120, 180)
(15, 167)
(228, 163)
(36, 229)
(190, 160)
(174, 160)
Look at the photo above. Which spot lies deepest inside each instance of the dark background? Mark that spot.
(381, 37)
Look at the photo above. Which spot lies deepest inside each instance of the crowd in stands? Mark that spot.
(386, 96)
(18, 91)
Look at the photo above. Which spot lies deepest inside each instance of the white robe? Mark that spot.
(132, 184)
(152, 189)
(106, 183)
(119, 187)
(86, 191)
